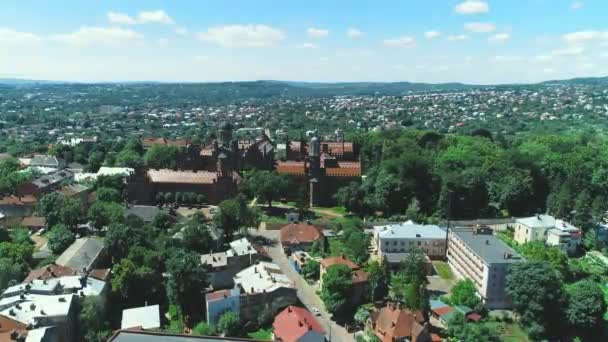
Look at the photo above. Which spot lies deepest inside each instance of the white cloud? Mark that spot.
(254, 35)
(577, 5)
(121, 18)
(543, 58)
(317, 32)
(499, 38)
(323, 59)
(144, 17)
(585, 36)
(548, 70)
(404, 41)
(309, 46)
(480, 27)
(201, 58)
(354, 33)
(86, 35)
(182, 31)
(432, 34)
(457, 38)
(508, 59)
(162, 42)
(472, 7)
(569, 51)
(11, 37)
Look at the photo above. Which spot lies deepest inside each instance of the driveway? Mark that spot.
(306, 292)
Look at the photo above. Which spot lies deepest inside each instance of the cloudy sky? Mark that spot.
(473, 41)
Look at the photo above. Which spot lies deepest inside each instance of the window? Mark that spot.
(402, 243)
(394, 243)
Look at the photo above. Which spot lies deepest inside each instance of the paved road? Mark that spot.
(306, 292)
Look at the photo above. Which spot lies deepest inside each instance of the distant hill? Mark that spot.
(594, 81)
(21, 81)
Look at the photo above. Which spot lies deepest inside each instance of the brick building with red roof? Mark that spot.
(298, 236)
(295, 324)
(360, 278)
(392, 323)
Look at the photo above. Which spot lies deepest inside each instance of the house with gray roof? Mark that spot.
(478, 255)
(47, 161)
(552, 231)
(394, 241)
(83, 255)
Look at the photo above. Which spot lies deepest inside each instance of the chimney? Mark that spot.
(487, 242)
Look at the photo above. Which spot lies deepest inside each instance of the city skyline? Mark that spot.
(477, 42)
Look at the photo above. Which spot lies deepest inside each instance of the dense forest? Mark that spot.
(481, 175)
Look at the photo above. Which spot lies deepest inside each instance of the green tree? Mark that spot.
(413, 212)
(352, 197)
(586, 307)
(538, 297)
(465, 293)
(197, 237)
(583, 216)
(311, 269)
(102, 214)
(378, 280)
(459, 329)
(136, 284)
(72, 212)
(186, 279)
(91, 320)
(18, 253)
(50, 207)
(128, 158)
(161, 157)
(234, 214)
(60, 238)
(337, 285)
(20, 235)
(121, 237)
(229, 324)
(538, 251)
(267, 186)
(203, 329)
(11, 271)
(108, 195)
(362, 314)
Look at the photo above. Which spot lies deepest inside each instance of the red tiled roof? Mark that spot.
(100, 273)
(394, 324)
(291, 167)
(182, 177)
(333, 147)
(295, 233)
(339, 260)
(7, 325)
(360, 276)
(21, 200)
(217, 294)
(49, 272)
(443, 310)
(293, 322)
(344, 169)
(33, 222)
(474, 317)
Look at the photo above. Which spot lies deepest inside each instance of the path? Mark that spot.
(306, 292)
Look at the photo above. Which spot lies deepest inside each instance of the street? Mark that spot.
(306, 292)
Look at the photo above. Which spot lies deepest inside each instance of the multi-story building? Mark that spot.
(552, 231)
(260, 291)
(478, 255)
(223, 266)
(395, 241)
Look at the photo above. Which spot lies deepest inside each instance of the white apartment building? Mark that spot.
(484, 259)
(552, 231)
(395, 240)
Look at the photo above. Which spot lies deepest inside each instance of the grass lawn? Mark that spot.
(510, 332)
(337, 210)
(443, 270)
(261, 335)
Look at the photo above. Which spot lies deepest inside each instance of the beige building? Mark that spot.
(484, 259)
(395, 241)
(552, 231)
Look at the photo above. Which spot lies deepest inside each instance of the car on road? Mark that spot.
(316, 311)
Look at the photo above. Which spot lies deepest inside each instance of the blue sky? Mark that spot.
(472, 41)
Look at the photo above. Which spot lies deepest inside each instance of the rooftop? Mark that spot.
(262, 277)
(488, 247)
(150, 336)
(410, 230)
(293, 323)
(339, 260)
(81, 254)
(298, 232)
(31, 308)
(146, 317)
(182, 177)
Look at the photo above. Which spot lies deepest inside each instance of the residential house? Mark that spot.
(296, 324)
(45, 184)
(478, 255)
(360, 278)
(46, 161)
(552, 231)
(33, 223)
(394, 241)
(84, 255)
(297, 236)
(444, 313)
(145, 317)
(146, 213)
(391, 323)
(15, 208)
(41, 311)
(78, 192)
(219, 302)
(265, 291)
(223, 266)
